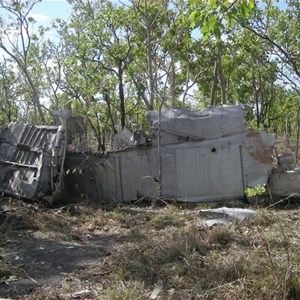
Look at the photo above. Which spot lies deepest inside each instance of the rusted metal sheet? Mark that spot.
(260, 146)
(31, 159)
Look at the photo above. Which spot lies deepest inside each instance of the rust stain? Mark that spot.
(257, 149)
(252, 133)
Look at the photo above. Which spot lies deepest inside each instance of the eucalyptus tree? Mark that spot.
(75, 79)
(92, 69)
(108, 35)
(52, 59)
(20, 45)
(8, 92)
(251, 75)
(280, 29)
(214, 18)
(169, 61)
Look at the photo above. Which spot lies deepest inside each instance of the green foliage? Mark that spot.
(257, 190)
(100, 65)
(214, 16)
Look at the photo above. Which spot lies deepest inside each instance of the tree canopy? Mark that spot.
(113, 61)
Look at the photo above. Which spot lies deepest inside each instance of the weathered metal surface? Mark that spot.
(31, 159)
(225, 215)
(207, 155)
(286, 183)
(178, 125)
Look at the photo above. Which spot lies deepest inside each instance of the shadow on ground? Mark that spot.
(36, 262)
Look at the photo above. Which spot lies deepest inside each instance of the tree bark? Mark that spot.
(149, 56)
(214, 85)
(122, 98)
(173, 84)
(106, 98)
(35, 96)
(221, 77)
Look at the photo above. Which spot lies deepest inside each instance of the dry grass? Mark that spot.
(254, 259)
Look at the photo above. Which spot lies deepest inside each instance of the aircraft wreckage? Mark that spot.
(206, 155)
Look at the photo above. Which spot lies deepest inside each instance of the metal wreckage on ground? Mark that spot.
(206, 155)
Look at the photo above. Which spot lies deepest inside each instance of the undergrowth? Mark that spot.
(256, 258)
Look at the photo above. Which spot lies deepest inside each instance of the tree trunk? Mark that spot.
(298, 133)
(221, 77)
(106, 99)
(214, 85)
(173, 84)
(122, 98)
(35, 96)
(160, 177)
(287, 131)
(149, 56)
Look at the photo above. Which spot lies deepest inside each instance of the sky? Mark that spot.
(49, 10)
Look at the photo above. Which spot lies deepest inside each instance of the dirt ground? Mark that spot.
(34, 255)
(81, 251)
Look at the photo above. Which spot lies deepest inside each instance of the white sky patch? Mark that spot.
(3, 54)
(40, 17)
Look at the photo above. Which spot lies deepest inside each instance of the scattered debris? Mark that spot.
(82, 294)
(157, 289)
(226, 215)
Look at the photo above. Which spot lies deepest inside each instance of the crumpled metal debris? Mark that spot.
(31, 159)
(226, 215)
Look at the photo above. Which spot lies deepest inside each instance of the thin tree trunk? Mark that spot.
(106, 98)
(287, 132)
(160, 177)
(298, 132)
(221, 77)
(173, 84)
(214, 85)
(149, 56)
(122, 98)
(35, 97)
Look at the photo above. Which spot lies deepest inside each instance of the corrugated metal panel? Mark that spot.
(28, 157)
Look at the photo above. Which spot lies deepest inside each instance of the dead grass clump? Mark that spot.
(148, 260)
(162, 221)
(12, 222)
(236, 275)
(137, 235)
(265, 218)
(119, 216)
(223, 268)
(220, 236)
(293, 287)
(182, 243)
(5, 271)
(122, 290)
